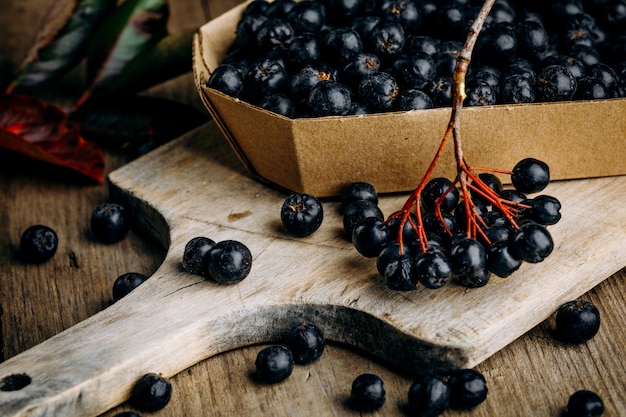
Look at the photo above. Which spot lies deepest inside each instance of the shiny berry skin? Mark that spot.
(378, 91)
(265, 76)
(109, 223)
(306, 342)
(303, 50)
(341, 45)
(413, 99)
(367, 393)
(434, 189)
(357, 211)
(279, 104)
(468, 388)
(467, 257)
(545, 209)
(127, 282)
(584, 403)
(151, 393)
(501, 259)
(356, 191)
(38, 244)
(369, 236)
(274, 364)
(195, 255)
(303, 81)
(555, 83)
(517, 88)
(386, 39)
(577, 321)
(229, 261)
(274, 32)
(433, 269)
(389, 252)
(227, 79)
(358, 67)
(429, 396)
(532, 242)
(414, 70)
(400, 273)
(301, 214)
(530, 175)
(480, 93)
(329, 98)
(308, 16)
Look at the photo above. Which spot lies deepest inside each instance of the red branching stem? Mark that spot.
(453, 129)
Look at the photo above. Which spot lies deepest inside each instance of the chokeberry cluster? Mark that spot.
(333, 57)
(226, 262)
(493, 231)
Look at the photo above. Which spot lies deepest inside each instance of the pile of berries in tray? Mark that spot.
(337, 57)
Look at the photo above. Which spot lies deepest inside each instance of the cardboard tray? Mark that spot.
(580, 139)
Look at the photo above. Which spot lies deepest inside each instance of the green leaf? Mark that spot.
(62, 40)
(169, 58)
(136, 26)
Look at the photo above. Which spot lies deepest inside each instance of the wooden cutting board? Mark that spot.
(195, 186)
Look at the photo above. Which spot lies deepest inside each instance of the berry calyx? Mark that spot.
(301, 214)
(38, 244)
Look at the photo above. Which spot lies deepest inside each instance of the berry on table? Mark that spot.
(429, 396)
(229, 261)
(127, 282)
(306, 342)
(369, 236)
(38, 244)
(301, 214)
(151, 393)
(367, 393)
(109, 222)
(274, 364)
(577, 321)
(468, 388)
(585, 403)
(195, 255)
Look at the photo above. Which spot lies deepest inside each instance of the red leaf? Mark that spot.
(40, 131)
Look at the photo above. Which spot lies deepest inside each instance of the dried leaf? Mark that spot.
(131, 29)
(132, 121)
(41, 131)
(62, 41)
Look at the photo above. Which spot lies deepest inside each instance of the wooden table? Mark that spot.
(532, 376)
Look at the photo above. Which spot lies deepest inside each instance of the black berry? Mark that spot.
(151, 393)
(38, 244)
(306, 342)
(127, 282)
(368, 392)
(274, 364)
(530, 175)
(369, 236)
(577, 321)
(429, 396)
(229, 261)
(301, 214)
(532, 242)
(195, 258)
(356, 191)
(585, 403)
(109, 222)
(468, 388)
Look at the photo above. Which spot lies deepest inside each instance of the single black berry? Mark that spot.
(274, 364)
(378, 91)
(357, 191)
(400, 273)
(369, 236)
(545, 209)
(306, 342)
(435, 189)
(195, 259)
(577, 321)
(227, 79)
(368, 392)
(468, 388)
(429, 396)
(109, 222)
(329, 98)
(433, 269)
(229, 261)
(151, 393)
(532, 242)
(555, 83)
(127, 282)
(501, 258)
(530, 175)
(38, 244)
(585, 403)
(301, 214)
(357, 211)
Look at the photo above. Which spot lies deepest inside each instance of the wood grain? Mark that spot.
(533, 375)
